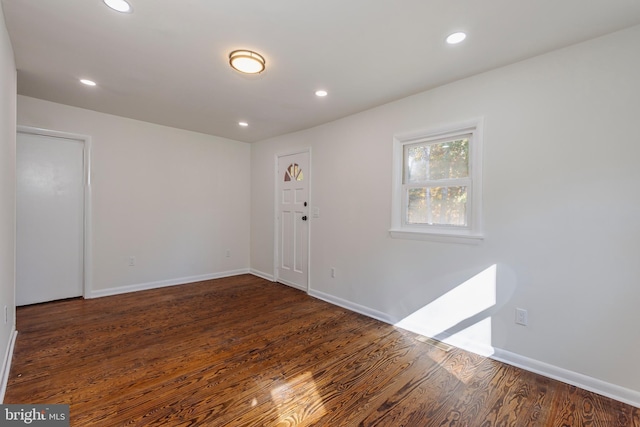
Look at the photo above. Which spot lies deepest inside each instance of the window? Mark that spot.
(294, 173)
(437, 184)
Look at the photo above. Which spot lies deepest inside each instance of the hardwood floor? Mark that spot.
(243, 351)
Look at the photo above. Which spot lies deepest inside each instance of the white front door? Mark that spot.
(49, 218)
(293, 220)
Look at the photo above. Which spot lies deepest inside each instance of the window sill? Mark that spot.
(436, 236)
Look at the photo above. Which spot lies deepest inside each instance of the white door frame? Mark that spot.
(276, 227)
(87, 230)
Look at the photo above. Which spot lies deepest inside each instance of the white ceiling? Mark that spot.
(167, 62)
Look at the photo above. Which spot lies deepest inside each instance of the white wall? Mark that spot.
(561, 209)
(7, 193)
(176, 200)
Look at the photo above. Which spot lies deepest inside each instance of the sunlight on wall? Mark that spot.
(298, 400)
(461, 317)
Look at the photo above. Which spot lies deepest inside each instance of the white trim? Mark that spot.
(352, 306)
(276, 222)
(613, 391)
(421, 328)
(262, 275)
(6, 364)
(164, 283)
(87, 263)
(436, 236)
(309, 221)
(441, 131)
(88, 219)
(291, 284)
(470, 234)
(585, 382)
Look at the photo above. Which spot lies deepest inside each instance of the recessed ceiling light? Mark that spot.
(247, 61)
(119, 5)
(321, 93)
(243, 124)
(456, 38)
(87, 82)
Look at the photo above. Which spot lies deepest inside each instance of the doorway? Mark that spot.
(52, 192)
(292, 220)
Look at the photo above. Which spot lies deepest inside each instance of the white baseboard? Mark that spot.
(375, 314)
(616, 392)
(6, 364)
(613, 391)
(164, 283)
(292, 285)
(262, 275)
(272, 278)
(462, 342)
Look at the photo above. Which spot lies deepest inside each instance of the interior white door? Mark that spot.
(293, 219)
(49, 218)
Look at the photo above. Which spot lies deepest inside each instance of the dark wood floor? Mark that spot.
(243, 351)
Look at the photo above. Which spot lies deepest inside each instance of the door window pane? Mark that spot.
(293, 172)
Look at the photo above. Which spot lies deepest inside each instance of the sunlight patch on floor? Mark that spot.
(298, 401)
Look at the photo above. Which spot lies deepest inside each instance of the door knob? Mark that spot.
(304, 218)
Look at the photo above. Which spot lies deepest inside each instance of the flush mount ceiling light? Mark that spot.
(243, 124)
(87, 82)
(246, 61)
(119, 5)
(456, 38)
(321, 93)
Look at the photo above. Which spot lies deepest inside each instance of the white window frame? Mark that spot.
(470, 234)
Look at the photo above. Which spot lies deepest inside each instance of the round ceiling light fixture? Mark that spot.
(119, 5)
(247, 61)
(320, 93)
(87, 82)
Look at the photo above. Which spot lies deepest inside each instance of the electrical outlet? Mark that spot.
(6, 314)
(227, 253)
(132, 261)
(333, 272)
(522, 317)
